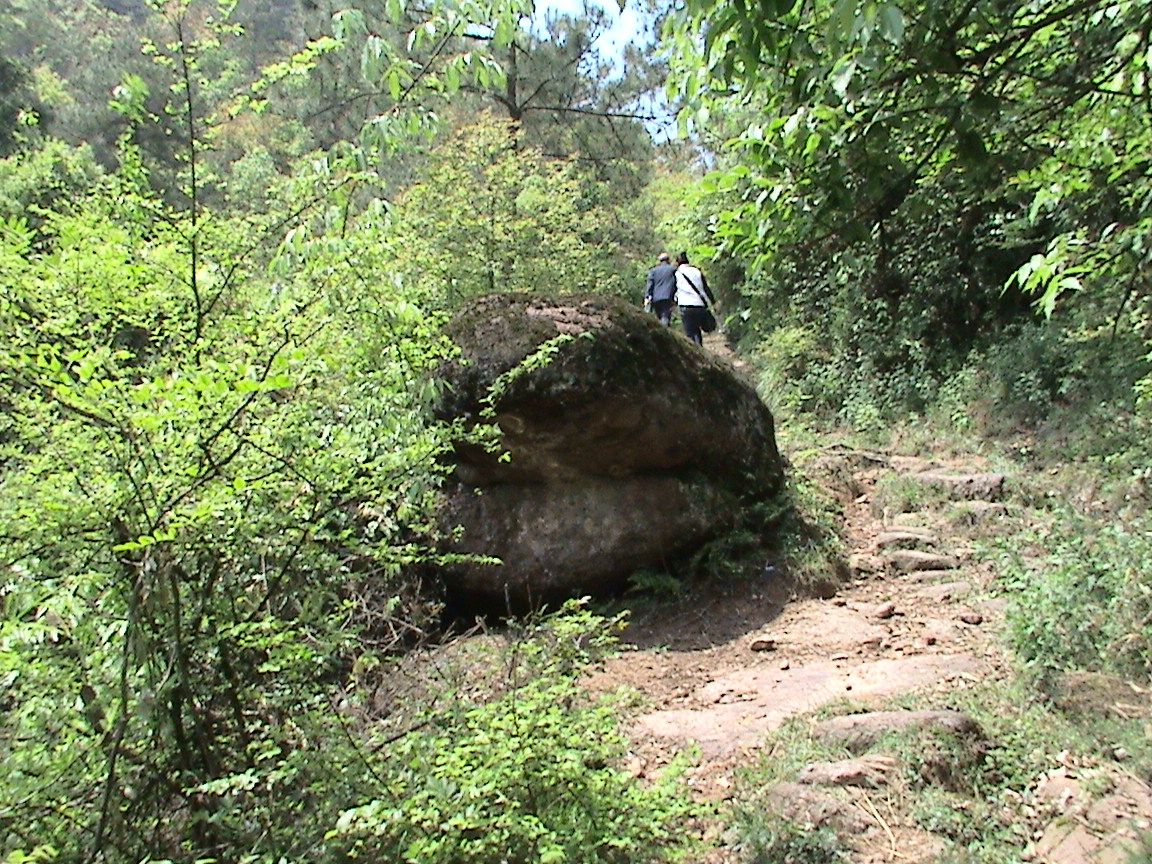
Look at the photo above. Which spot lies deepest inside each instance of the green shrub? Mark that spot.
(783, 358)
(531, 774)
(1075, 387)
(196, 497)
(769, 839)
(758, 829)
(36, 180)
(811, 549)
(900, 493)
(654, 582)
(1081, 598)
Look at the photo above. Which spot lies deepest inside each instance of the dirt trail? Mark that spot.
(723, 673)
(912, 617)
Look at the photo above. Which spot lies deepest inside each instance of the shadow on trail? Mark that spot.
(710, 613)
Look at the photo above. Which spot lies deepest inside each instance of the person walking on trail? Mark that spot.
(693, 298)
(660, 289)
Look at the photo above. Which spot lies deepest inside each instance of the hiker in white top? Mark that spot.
(693, 298)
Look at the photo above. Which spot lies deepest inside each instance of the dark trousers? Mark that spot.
(662, 309)
(691, 317)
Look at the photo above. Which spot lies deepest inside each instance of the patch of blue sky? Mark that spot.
(625, 26)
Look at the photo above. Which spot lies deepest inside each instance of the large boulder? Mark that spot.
(620, 445)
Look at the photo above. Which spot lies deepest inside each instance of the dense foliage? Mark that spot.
(489, 215)
(1095, 570)
(531, 772)
(201, 470)
(218, 462)
(904, 180)
(229, 234)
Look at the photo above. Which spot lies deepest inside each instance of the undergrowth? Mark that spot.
(809, 542)
(793, 537)
(764, 832)
(975, 793)
(1063, 410)
(1070, 559)
(526, 772)
(1080, 596)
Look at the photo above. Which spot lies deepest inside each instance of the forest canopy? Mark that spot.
(924, 175)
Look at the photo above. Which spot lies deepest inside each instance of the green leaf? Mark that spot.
(891, 20)
(842, 77)
(348, 22)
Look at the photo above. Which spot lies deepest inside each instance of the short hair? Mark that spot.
(682, 258)
(663, 256)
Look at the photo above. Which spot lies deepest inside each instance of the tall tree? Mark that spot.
(572, 100)
(488, 215)
(865, 102)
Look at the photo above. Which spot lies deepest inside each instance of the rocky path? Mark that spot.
(912, 617)
(730, 669)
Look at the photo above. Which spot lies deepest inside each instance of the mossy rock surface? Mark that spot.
(628, 445)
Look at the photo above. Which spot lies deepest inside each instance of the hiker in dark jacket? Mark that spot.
(660, 289)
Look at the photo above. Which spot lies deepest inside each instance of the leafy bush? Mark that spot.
(202, 468)
(655, 582)
(33, 181)
(772, 840)
(530, 773)
(759, 831)
(782, 359)
(1081, 597)
(898, 493)
(809, 537)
